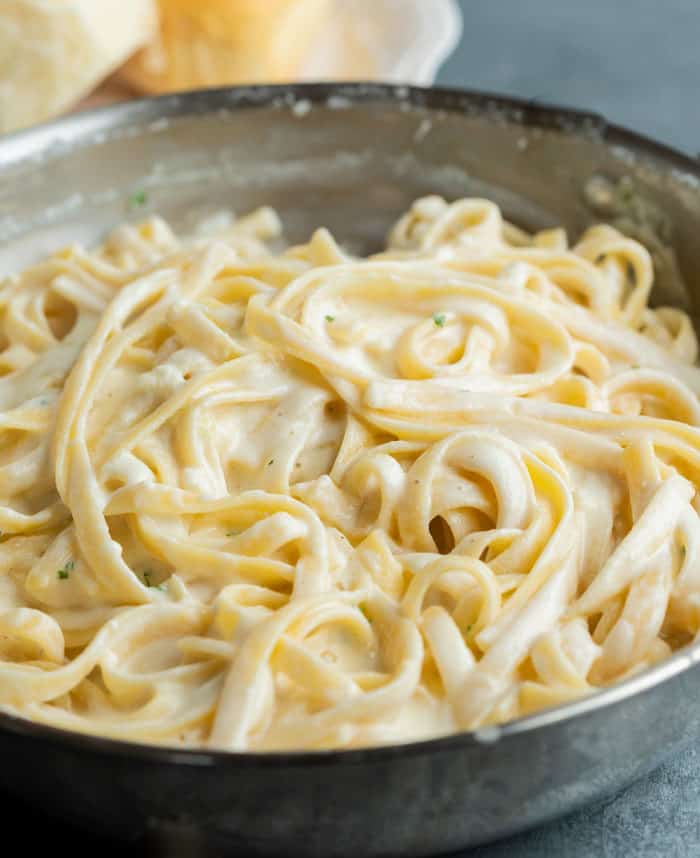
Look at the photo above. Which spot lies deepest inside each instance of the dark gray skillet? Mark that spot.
(351, 157)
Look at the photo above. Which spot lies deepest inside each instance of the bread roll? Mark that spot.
(53, 52)
(217, 42)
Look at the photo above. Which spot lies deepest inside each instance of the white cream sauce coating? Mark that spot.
(259, 500)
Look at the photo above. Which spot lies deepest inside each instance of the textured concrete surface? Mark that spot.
(654, 818)
(637, 62)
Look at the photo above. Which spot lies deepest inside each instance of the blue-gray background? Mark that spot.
(635, 61)
(638, 63)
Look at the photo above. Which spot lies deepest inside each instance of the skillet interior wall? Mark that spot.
(320, 156)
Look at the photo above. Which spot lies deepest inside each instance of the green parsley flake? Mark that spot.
(138, 198)
(147, 573)
(330, 318)
(66, 570)
(439, 319)
(231, 533)
(271, 462)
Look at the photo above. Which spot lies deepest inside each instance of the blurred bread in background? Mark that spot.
(60, 55)
(53, 52)
(216, 42)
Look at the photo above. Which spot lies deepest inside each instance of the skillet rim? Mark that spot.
(80, 130)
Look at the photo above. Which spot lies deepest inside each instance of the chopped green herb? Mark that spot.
(66, 570)
(439, 319)
(231, 533)
(138, 198)
(330, 318)
(600, 258)
(147, 580)
(271, 462)
(469, 628)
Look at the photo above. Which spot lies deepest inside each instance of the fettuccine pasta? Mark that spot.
(257, 499)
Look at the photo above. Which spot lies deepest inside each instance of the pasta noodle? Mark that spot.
(262, 499)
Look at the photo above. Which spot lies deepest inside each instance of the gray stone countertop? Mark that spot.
(637, 62)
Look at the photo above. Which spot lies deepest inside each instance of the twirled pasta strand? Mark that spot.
(260, 500)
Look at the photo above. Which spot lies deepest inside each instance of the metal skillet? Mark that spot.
(352, 157)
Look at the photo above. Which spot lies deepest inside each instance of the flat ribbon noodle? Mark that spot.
(255, 498)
